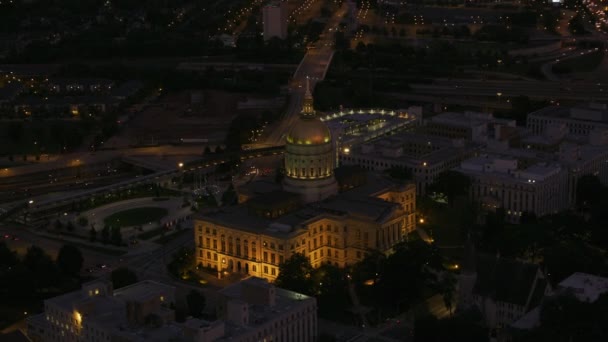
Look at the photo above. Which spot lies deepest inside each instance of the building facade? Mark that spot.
(499, 182)
(341, 230)
(580, 120)
(307, 215)
(98, 313)
(248, 311)
(424, 155)
(275, 18)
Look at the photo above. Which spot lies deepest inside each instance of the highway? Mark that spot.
(503, 89)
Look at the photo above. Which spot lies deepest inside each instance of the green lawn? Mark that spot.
(135, 217)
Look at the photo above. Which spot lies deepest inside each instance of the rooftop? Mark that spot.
(285, 301)
(507, 280)
(583, 112)
(586, 287)
(506, 167)
(357, 202)
(143, 290)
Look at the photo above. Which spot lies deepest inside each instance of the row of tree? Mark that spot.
(377, 279)
(36, 273)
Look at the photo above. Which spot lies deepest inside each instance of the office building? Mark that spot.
(255, 310)
(275, 17)
(426, 156)
(504, 182)
(580, 120)
(97, 312)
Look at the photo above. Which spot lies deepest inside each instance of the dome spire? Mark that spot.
(307, 107)
(308, 94)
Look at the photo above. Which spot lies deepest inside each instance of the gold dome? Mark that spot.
(308, 131)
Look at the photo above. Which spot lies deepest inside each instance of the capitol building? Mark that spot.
(330, 215)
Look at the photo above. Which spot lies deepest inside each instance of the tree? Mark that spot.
(69, 260)
(182, 262)
(589, 190)
(452, 184)
(196, 303)
(122, 277)
(8, 258)
(331, 290)
(295, 274)
(116, 236)
(468, 326)
(41, 266)
(229, 197)
(83, 221)
(92, 234)
(105, 235)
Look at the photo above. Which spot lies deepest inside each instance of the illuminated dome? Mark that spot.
(308, 131)
(309, 156)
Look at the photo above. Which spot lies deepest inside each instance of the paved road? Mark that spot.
(314, 65)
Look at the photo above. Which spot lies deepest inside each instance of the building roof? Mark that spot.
(586, 287)
(309, 131)
(285, 301)
(143, 290)
(506, 280)
(591, 112)
(358, 202)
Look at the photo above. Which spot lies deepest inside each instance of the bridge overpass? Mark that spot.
(40, 209)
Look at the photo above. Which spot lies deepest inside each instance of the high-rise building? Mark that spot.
(275, 18)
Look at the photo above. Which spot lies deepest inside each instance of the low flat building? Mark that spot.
(580, 120)
(97, 312)
(247, 311)
(426, 156)
(471, 126)
(255, 310)
(502, 182)
(583, 286)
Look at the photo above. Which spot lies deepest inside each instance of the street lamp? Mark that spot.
(180, 165)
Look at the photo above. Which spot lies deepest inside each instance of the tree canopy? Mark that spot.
(295, 274)
(122, 277)
(69, 260)
(196, 303)
(452, 184)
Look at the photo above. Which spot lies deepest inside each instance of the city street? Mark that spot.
(314, 65)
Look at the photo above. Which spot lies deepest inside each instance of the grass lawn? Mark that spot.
(135, 216)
